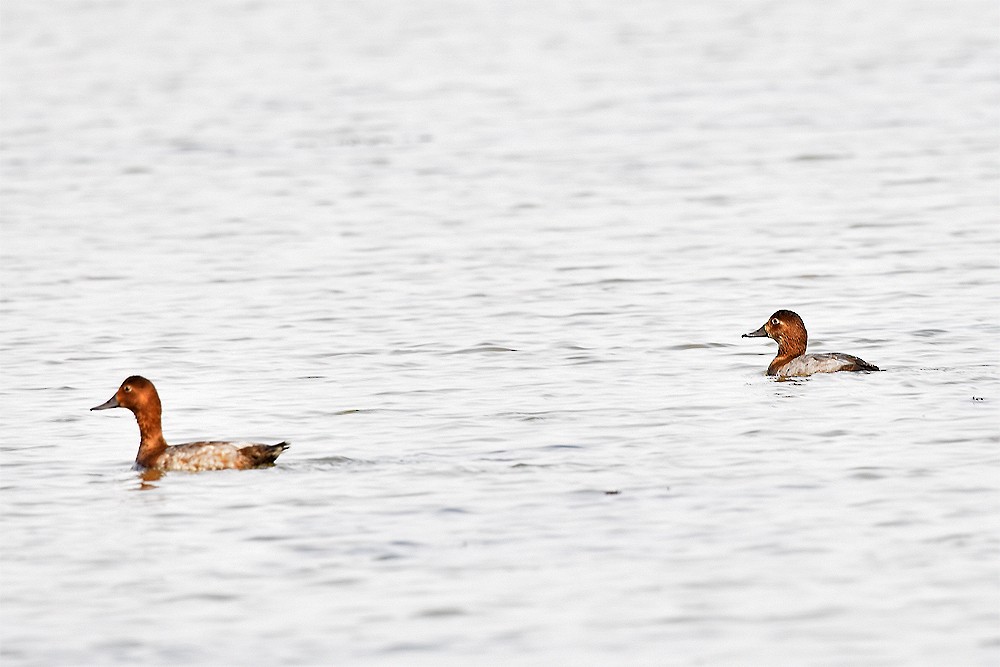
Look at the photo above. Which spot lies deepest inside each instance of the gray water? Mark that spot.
(486, 267)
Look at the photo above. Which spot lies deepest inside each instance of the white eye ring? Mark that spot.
(774, 321)
(127, 388)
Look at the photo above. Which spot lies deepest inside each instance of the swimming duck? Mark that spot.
(139, 395)
(788, 330)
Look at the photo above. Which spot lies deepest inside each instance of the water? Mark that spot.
(486, 267)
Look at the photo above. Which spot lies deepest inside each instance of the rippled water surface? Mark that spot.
(486, 266)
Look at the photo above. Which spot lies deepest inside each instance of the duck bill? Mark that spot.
(110, 403)
(759, 333)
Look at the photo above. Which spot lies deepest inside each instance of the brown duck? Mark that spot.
(787, 329)
(139, 395)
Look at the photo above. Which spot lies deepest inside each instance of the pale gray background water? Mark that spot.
(482, 263)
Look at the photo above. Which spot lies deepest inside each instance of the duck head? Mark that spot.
(786, 328)
(136, 394)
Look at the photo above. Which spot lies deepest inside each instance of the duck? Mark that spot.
(139, 395)
(789, 331)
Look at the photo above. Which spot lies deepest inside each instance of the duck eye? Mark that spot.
(127, 388)
(774, 321)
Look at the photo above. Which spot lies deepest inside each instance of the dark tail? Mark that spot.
(263, 455)
(865, 366)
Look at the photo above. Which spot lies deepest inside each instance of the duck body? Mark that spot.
(138, 395)
(198, 456)
(787, 329)
(808, 364)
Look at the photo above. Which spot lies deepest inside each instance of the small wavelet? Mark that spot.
(867, 472)
(525, 416)
(483, 347)
(322, 462)
(440, 612)
(820, 157)
(928, 333)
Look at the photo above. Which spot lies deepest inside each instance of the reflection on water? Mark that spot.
(147, 477)
(487, 267)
